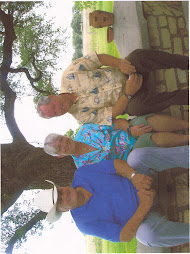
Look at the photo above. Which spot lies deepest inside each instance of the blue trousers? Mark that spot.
(156, 230)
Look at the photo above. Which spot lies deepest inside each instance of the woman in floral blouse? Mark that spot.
(94, 143)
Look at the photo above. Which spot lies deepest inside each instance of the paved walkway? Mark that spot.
(127, 32)
(168, 32)
(164, 24)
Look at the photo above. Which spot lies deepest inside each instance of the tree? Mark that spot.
(81, 5)
(71, 134)
(77, 33)
(15, 224)
(77, 39)
(30, 47)
(77, 54)
(76, 22)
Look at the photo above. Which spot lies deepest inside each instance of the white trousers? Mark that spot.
(156, 230)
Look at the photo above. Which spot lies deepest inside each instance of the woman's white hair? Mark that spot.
(49, 143)
(42, 101)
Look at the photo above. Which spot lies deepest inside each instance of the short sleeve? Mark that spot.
(87, 63)
(102, 229)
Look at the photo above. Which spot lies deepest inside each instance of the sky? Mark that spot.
(59, 239)
(63, 238)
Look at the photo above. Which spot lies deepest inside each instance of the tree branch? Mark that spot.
(10, 96)
(39, 90)
(22, 69)
(35, 67)
(32, 80)
(23, 230)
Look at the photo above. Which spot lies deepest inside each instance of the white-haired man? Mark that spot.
(97, 95)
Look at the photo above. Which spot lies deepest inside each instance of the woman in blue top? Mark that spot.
(94, 143)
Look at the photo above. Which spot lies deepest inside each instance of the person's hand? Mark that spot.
(126, 67)
(140, 129)
(146, 199)
(133, 84)
(141, 181)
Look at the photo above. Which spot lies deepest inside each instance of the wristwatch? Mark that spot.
(128, 96)
(129, 129)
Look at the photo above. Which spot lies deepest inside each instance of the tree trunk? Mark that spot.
(27, 167)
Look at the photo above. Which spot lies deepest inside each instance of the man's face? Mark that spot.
(64, 145)
(56, 107)
(67, 199)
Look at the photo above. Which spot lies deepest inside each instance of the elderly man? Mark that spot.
(97, 95)
(112, 201)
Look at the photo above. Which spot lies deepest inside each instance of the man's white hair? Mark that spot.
(49, 143)
(42, 101)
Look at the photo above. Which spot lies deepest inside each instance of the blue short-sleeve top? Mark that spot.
(113, 202)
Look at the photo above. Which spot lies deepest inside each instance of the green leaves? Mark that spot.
(37, 37)
(80, 5)
(77, 33)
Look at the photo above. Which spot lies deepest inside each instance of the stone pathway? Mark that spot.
(168, 32)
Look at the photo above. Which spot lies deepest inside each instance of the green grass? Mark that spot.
(103, 246)
(110, 247)
(99, 35)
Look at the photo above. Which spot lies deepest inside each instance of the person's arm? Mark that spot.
(120, 106)
(146, 198)
(120, 124)
(124, 65)
(140, 181)
(137, 130)
(132, 86)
